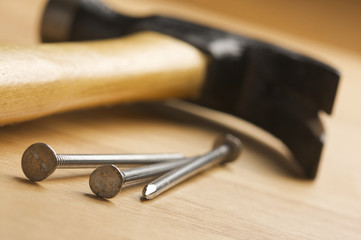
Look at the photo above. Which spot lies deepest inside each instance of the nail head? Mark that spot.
(38, 161)
(233, 142)
(106, 181)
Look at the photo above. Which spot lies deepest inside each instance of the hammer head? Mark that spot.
(275, 89)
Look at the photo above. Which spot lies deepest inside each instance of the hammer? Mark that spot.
(160, 58)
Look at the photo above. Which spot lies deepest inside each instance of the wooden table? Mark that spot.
(256, 197)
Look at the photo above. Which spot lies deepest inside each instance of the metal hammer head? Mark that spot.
(275, 89)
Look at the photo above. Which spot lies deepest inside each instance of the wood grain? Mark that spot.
(256, 197)
(48, 78)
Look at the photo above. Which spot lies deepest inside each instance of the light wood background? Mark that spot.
(256, 197)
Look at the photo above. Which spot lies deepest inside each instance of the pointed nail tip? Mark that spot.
(149, 191)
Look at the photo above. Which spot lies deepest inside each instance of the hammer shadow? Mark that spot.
(282, 163)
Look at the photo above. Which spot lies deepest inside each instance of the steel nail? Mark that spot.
(226, 149)
(107, 181)
(39, 160)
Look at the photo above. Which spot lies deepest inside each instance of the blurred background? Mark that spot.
(332, 22)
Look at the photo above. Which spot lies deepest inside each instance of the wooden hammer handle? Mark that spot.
(49, 78)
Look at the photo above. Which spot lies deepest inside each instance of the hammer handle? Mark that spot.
(47, 78)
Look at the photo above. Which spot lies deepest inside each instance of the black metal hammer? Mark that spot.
(276, 89)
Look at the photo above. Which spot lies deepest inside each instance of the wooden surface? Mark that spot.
(256, 197)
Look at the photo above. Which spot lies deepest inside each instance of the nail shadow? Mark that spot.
(98, 199)
(61, 178)
(27, 182)
(143, 199)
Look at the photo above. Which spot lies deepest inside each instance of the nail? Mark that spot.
(39, 160)
(107, 181)
(226, 149)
